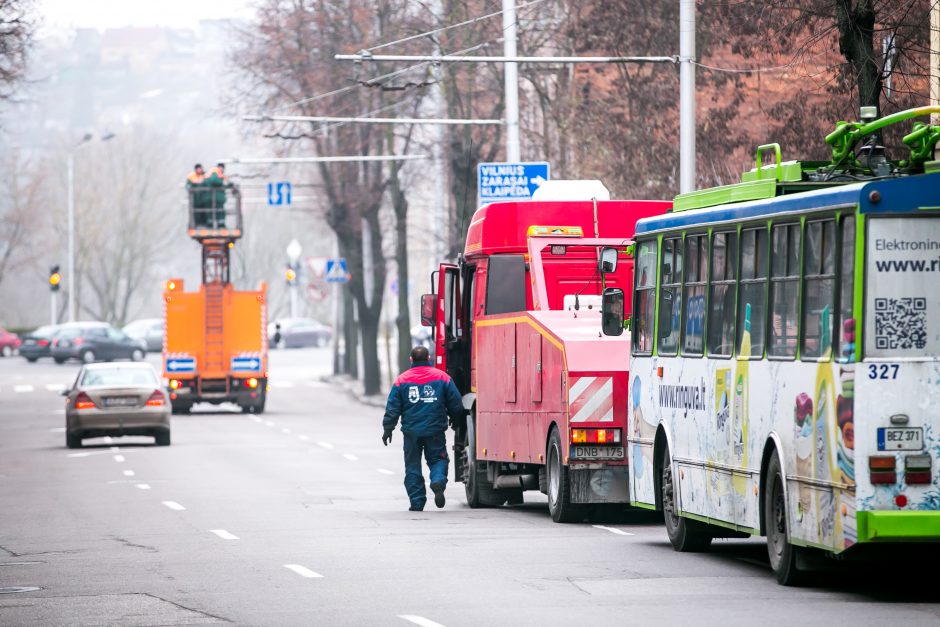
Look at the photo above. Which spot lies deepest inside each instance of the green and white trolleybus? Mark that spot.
(785, 372)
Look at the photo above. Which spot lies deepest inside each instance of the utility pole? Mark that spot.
(511, 73)
(686, 96)
(935, 67)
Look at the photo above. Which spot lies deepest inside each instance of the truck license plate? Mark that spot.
(900, 438)
(597, 452)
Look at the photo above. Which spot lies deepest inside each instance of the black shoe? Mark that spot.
(415, 509)
(438, 490)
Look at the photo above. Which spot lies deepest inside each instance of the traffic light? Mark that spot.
(291, 275)
(55, 279)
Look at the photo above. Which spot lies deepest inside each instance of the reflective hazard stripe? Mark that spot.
(591, 399)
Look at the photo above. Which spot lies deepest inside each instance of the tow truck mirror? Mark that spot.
(608, 262)
(612, 310)
(665, 314)
(427, 309)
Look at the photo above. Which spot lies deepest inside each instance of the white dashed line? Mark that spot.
(285, 430)
(385, 471)
(303, 437)
(128, 473)
(55, 387)
(325, 444)
(268, 423)
(23, 388)
(58, 412)
(119, 458)
(57, 429)
(225, 535)
(255, 418)
(619, 532)
(303, 571)
(350, 457)
(174, 505)
(419, 620)
(107, 440)
(143, 486)
(283, 384)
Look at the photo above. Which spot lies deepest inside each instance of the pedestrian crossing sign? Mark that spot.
(336, 270)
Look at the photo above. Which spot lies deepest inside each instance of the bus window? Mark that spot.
(784, 290)
(645, 308)
(693, 315)
(819, 273)
(847, 291)
(753, 297)
(670, 281)
(721, 295)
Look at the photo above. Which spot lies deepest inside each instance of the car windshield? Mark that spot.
(118, 377)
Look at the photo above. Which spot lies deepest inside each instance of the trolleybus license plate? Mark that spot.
(900, 438)
(597, 452)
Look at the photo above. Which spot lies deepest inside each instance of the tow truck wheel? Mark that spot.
(783, 555)
(686, 536)
(480, 492)
(559, 489)
(182, 409)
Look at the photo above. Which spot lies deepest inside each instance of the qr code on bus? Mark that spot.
(900, 323)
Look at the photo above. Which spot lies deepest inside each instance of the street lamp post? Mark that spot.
(70, 166)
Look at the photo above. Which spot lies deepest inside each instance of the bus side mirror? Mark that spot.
(428, 301)
(612, 311)
(608, 262)
(665, 314)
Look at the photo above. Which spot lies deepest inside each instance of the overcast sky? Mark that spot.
(101, 14)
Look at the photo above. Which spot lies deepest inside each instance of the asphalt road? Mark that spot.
(298, 517)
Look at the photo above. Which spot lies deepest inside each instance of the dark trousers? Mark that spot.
(435, 454)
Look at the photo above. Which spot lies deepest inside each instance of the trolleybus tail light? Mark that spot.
(156, 399)
(917, 469)
(83, 401)
(881, 468)
(595, 436)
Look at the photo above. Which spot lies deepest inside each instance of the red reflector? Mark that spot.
(918, 477)
(172, 396)
(900, 500)
(881, 462)
(156, 399)
(884, 477)
(83, 401)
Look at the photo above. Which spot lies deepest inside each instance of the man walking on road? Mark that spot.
(423, 396)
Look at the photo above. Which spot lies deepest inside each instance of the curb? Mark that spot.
(353, 387)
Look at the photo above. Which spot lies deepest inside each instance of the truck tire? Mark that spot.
(686, 536)
(182, 409)
(559, 489)
(782, 554)
(480, 492)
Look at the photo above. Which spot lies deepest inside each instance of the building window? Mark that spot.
(722, 289)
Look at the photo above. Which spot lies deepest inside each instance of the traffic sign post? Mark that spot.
(336, 270)
(498, 182)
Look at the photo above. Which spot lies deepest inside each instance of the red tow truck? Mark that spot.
(517, 325)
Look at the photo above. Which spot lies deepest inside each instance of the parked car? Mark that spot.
(38, 343)
(299, 332)
(94, 341)
(116, 400)
(9, 342)
(149, 330)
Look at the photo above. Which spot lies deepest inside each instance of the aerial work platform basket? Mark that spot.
(215, 212)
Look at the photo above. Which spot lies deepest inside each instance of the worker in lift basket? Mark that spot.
(423, 396)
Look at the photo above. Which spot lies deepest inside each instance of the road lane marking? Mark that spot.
(143, 486)
(119, 458)
(174, 505)
(57, 429)
(268, 423)
(619, 532)
(128, 473)
(303, 437)
(351, 458)
(253, 417)
(225, 535)
(419, 620)
(325, 444)
(58, 412)
(285, 430)
(303, 571)
(88, 454)
(55, 387)
(23, 388)
(282, 384)
(107, 440)
(385, 471)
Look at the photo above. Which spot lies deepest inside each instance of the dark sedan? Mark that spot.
(94, 341)
(298, 333)
(38, 343)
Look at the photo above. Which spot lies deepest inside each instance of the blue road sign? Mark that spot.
(181, 364)
(336, 270)
(246, 364)
(509, 181)
(279, 193)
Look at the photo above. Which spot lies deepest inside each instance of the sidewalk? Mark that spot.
(353, 387)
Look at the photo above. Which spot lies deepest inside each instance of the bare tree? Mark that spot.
(18, 24)
(22, 200)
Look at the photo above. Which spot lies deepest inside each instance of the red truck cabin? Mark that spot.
(517, 325)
